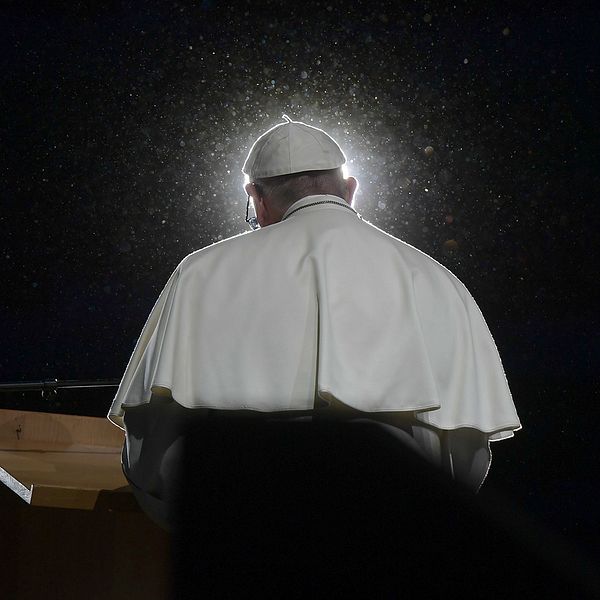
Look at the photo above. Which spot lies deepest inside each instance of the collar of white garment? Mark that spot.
(316, 200)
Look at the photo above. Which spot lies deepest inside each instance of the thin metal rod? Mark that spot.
(54, 384)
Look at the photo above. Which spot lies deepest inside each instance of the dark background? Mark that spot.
(124, 127)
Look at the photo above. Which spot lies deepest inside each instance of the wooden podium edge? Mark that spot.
(63, 497)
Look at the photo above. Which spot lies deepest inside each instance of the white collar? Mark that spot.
(316, 199)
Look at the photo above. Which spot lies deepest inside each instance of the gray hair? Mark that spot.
(284, 190)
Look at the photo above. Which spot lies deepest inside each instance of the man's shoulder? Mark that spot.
(215, 250)
(406, 249)
(263, 240)
(418, 260)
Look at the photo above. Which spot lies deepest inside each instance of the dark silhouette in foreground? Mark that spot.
(309, 509)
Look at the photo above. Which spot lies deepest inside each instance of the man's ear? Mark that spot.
(252, 191)
(263, 211)
(351, 187)
(260, 206)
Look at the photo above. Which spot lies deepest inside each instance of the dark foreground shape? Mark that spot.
(310, 510)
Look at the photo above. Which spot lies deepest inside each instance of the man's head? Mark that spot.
(272, 196)
(290, 161)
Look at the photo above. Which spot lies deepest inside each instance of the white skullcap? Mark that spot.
(292, 147)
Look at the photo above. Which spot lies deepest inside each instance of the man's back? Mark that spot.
(321, 302)
(317, 316)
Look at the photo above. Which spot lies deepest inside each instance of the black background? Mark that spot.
(124, 127)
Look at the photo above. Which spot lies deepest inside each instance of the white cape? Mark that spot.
(321, 304)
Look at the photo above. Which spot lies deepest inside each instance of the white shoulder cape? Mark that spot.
(321, 303)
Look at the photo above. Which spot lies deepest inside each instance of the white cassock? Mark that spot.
(323, 305)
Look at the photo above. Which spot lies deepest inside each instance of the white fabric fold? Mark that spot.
(321, 304)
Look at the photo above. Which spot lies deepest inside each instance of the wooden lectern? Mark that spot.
(70, 525)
